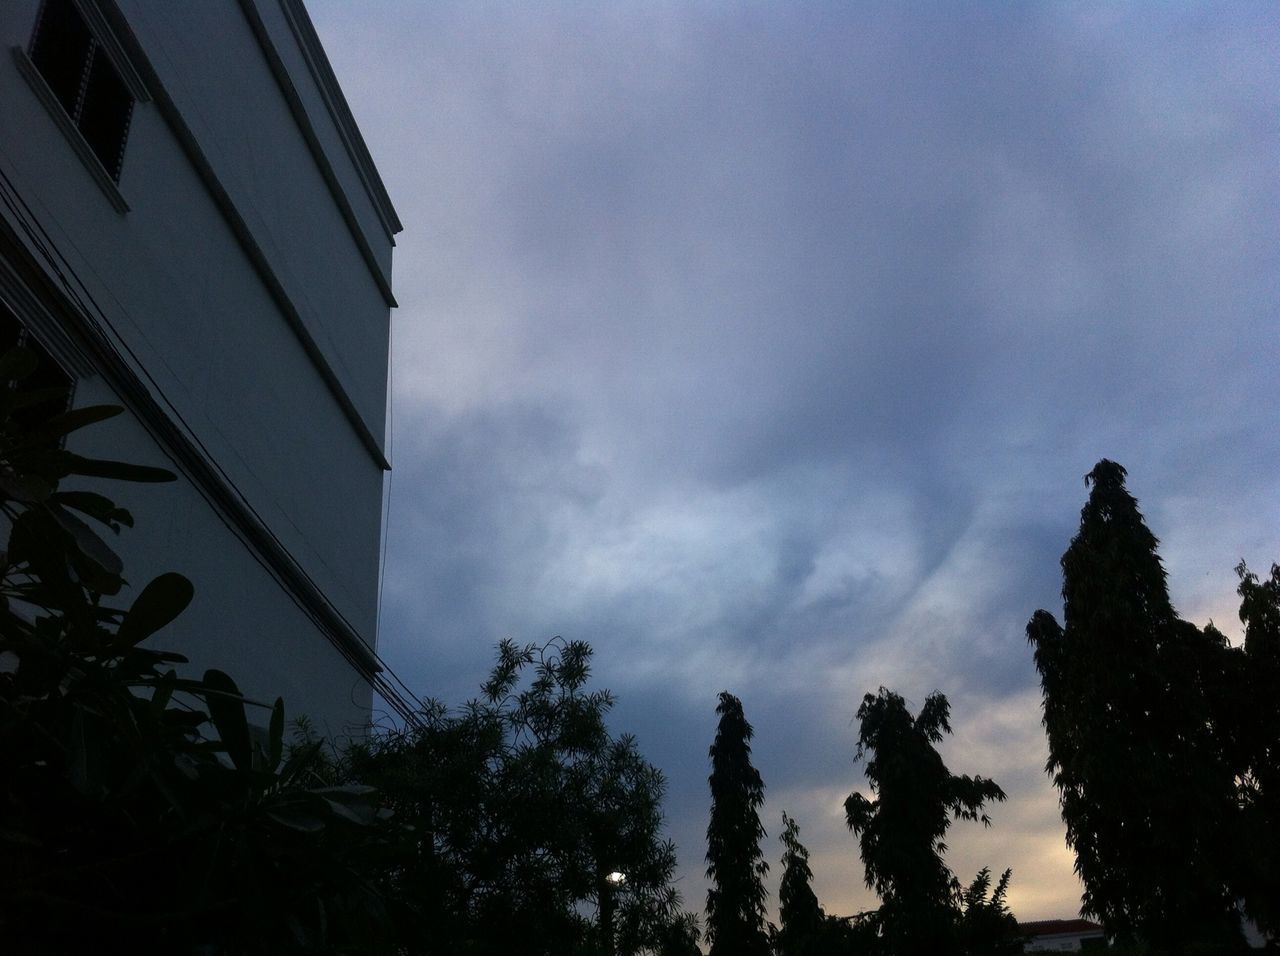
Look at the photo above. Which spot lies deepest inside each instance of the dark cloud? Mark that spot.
(765, 346)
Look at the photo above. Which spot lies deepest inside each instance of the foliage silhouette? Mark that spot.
(522, 805)
(139, 813)
(1134, 712)
(735, 864)
(805, 929)
(901, 832)
(800, 916)
(1259, 724)
(986, 926)
(142, 812)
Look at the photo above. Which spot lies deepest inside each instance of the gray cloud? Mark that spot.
(765, 346)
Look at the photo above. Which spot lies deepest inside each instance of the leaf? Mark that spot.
(87, 540)
(296, 817)
(159, 603)
(67, 422)
(95, 506)
(164, 688)
(118, 470)
(99, 581)
(18, 836)
(353, 814)
(226, 710)
(87, 753)
(49, 462)
(353, 803)
(275, 736)
(299, 759)
(26, 488)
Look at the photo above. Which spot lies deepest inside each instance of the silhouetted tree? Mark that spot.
(902, 831)
(986, 926)
(799, 913)
(678, 937)
(523, 805)
(1260, 736)
(735, 865)
(1135, 743)
(806, 930)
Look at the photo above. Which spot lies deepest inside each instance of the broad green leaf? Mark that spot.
(226, 710)
(159, 603)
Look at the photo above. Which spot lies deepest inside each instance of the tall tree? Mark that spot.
(799, 912)
(735, 865)
(1260, 737)
(1135, 748)
(902, 830)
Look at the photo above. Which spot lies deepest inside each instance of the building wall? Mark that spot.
(246, 292)
(1064, 943)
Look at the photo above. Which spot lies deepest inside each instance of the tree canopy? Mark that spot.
(1136, 735)
(529, 817)
(902, 830)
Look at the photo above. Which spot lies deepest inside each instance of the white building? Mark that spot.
(1062, 936)
(191, 225)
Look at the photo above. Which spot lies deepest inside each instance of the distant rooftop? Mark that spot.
(1052, 927)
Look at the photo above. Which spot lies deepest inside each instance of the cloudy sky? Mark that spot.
(765, 345)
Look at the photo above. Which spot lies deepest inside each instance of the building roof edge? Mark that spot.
(322, 71)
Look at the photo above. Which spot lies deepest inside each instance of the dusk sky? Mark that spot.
(764, 346)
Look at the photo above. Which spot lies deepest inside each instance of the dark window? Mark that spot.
(84, 80)
(48, 378)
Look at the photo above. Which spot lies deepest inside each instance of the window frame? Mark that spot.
(103, 53)
(30, 339)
